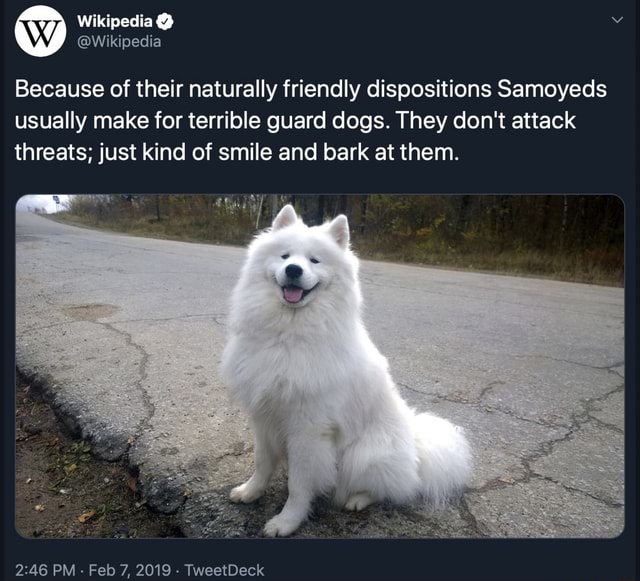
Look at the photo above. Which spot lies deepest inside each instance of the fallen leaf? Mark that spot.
(132, 482)
(70, 468)
(85, 516)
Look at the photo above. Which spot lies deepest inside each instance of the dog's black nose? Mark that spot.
(293, 271)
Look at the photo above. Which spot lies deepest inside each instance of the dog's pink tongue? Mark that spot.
(293, 294)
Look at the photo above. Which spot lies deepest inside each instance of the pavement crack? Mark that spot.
(607, 501)
(470, 519)
(213, 316)
(604, 396)
(487, 388)
(480, 405)
(242, 452)
(605, 425)
(438, 396)
(609, 368)
(405, 386)
(515, 416)
(496, 483)
(590, 404)
(543, 450)
(149, 406)
(577, 420)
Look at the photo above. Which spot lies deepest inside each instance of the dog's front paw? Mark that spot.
(245, 493)
(281, 526)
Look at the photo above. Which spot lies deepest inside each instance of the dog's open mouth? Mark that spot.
(294, 294)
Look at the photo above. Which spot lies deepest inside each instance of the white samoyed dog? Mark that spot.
(318, 392)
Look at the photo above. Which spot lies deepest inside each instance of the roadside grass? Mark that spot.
(62, 491)
(602, 267)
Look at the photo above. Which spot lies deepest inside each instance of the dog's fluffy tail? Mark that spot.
(445, 458)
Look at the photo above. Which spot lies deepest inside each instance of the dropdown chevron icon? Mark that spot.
(617, 20)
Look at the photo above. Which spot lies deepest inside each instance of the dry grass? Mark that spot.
(593, 267)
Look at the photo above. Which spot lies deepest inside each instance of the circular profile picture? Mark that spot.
(40, 31)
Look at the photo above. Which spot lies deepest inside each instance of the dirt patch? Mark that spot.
(90, 312)
(63, 492)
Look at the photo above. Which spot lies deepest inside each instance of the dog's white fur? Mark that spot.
(317, 390)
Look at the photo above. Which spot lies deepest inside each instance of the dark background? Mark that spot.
(543, 41)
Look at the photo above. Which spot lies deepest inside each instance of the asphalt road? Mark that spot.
(125, 334)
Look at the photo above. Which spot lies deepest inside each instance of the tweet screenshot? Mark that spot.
(339, 291)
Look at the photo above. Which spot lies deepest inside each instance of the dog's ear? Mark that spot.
(285, 217)
(339, 229)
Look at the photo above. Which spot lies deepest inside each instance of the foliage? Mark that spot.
(571, 237)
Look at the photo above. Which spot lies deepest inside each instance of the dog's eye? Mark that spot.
(284, 256)
(314, 260)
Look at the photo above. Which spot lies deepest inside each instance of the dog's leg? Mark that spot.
(266, 459)
(312, 471)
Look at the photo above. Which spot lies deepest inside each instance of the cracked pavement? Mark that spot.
(123, 336)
